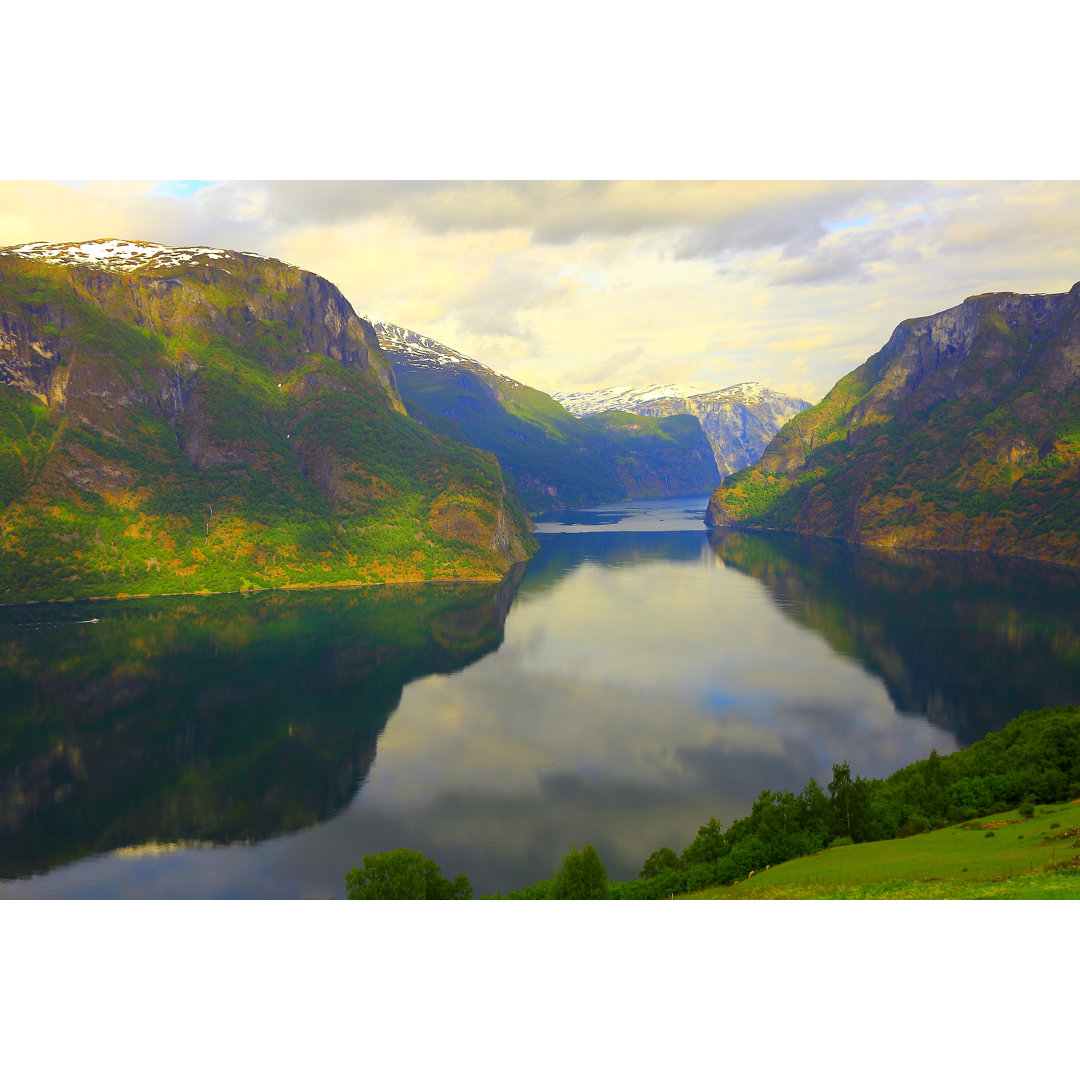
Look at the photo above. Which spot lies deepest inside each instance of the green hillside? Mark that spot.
(854, 834)
(220, 425)
(1002, 857)
(963, 432)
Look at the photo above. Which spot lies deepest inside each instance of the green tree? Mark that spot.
(662, 859)
(709, 845)
(581, 877)
(402, 874)
(849, 802)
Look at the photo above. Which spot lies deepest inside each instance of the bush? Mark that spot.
(701, 876)
(1026, 811)
(914, 825)
(841, 841)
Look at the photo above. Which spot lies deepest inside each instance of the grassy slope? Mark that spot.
(1014, 858)
(313, 479)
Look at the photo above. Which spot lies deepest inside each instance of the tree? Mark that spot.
(849, 804)
(402, 874)
(709, 845)
(581, 877)
(661, 859)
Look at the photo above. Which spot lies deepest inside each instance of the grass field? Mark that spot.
(999, 857)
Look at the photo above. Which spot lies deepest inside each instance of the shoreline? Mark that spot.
(296, 587)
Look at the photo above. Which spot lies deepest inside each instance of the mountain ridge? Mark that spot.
(961, 433)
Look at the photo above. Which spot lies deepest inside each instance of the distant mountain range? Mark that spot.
(575, 449)
(197, 419)
(738, 420)
(963, 432)
(555, 459)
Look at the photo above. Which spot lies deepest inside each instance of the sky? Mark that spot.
(577, 285)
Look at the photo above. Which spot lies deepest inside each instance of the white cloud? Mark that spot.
(552, 281)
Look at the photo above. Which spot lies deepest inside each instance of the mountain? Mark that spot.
(555, 459)
(624, 398)
(738, 421)
(196, 419)
(963, 432)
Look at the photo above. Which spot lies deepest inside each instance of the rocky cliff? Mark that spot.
(189, 419)
(963, 432)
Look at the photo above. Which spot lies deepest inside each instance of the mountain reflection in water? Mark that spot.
(210, 718)
(633, 684)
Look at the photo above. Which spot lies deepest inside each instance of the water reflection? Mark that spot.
(969, 641)
(640, 682)
(143, 724)
(639, 515)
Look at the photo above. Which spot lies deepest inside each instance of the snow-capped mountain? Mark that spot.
(738, 420)
(408, 344)
(121, 256)
(624, 398)
(631, 398)
(408, 348)
(553, 457)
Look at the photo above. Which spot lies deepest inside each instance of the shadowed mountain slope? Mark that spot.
(554, 458)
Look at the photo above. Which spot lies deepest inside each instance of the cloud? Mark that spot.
(550, 282)
(705, 219)
(496, 303)
(846, 256)
(792, 217)
(619, 366)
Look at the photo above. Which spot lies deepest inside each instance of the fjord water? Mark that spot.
(638, 676)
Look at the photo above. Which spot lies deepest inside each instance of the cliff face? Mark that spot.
(555, 459)
(963, 432)
(175, 420)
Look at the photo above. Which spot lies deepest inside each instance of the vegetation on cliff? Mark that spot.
(961, 433)
(556, 459)
(225, 424)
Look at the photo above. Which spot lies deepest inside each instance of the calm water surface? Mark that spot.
(641, 675)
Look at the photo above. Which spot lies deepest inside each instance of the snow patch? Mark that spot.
(416, 349)
(119, 256)
(631, 398)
